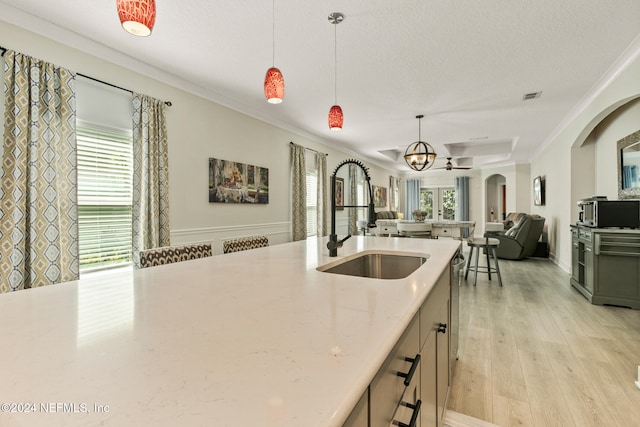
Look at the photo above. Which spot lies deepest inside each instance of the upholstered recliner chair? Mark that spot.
(512, 219)
(521, 240)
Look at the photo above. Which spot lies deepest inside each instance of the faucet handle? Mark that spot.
(342, 241)
(333, 245)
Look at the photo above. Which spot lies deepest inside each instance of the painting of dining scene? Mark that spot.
(234, 182)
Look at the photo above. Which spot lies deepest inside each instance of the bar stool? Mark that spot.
(487, 244)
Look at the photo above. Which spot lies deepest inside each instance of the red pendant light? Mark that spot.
(273, 80)
(336, 118)
(137, 16)
(274, 86)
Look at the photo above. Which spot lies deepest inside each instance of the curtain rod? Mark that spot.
(310, 149)
(167, 103)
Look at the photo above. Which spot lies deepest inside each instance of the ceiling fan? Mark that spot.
(449, 166)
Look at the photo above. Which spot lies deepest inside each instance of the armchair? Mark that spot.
(512, 219)
(521, 240)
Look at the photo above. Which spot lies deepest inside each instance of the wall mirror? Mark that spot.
(629, 166)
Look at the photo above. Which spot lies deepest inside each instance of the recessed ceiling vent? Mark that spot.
(531, 95)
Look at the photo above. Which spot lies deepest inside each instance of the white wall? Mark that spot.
(444, 178)
(620, 123)
(493, 193)
(517, 179)
(556, 160)
(199, 129)
(519, 190)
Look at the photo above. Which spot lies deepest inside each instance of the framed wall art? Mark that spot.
(234, 182)
(538, 191)
(379, 196)
(339, 194)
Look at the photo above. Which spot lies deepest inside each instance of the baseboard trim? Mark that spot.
(456, 419)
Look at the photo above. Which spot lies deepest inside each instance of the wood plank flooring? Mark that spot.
(536, 353)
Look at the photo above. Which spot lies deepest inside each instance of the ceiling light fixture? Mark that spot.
(449, 166)
(137, 16)
(420, 155)
(273, 80)
(336, 118)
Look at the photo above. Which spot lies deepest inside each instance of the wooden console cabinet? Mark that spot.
(605, 265)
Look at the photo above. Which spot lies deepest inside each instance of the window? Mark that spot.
(448, 202)
(426, 201)
(440, 203)
(105, 169)
(312, 203)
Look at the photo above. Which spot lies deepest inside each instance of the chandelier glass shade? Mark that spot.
(274, 86)
(137, 16)
(335, 118)
(420, 155)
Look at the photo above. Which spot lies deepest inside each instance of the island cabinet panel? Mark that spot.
(434, 340)
(429, 395)
(446, 232)
(360, 415)
(411, 387)
(442, 363)
(387, 388)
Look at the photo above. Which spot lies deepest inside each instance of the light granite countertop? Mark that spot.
(256, 338)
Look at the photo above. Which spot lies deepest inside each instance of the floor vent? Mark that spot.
(531, 95)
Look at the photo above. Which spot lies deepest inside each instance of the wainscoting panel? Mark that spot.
(278, 232)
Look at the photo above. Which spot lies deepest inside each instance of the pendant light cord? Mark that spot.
(273, 32)
(335, 61)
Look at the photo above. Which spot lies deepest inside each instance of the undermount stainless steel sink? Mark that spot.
(377, 265)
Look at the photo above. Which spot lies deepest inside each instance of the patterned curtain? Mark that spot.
(38, 190)
(412, 199)
(462, 201)
(321, 165)
(299, 194)
(353, 199)
(150, 176)
(393, 193)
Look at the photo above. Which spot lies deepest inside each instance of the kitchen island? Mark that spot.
(255, 338)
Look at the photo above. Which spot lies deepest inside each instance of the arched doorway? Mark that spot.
(495, 197)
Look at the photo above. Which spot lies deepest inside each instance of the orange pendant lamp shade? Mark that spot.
(336, 118)
(137, 16)
(274, 86)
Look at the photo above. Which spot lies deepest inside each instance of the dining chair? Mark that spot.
(244, 244)
(171, 254)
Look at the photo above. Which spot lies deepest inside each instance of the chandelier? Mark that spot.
(420, 155)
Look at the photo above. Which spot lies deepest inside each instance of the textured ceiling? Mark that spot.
(465, 65)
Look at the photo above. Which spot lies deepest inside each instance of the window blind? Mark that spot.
(312, 203)
(105, 169)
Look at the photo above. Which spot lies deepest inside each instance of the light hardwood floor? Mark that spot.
(536, 353)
